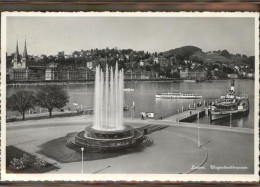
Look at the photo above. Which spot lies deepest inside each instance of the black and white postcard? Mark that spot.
(129, 96)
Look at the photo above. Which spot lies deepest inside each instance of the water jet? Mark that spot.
(108, 131)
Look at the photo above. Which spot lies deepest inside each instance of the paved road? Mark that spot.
(174, 150)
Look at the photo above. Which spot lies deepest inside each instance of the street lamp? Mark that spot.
(230, 121)
(82, 150)
(198, 136)
(178, 116)
(84, 112)
(198, 116)
(133, 110)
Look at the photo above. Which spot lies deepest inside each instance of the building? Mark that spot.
(161, 60)
(173, 60)
(92, 64)
(54, 72)
(19, 71)
(153, 74)
(129, 74)
(141, 63)
(250, 75)
(186, 74)
(198, 75)
(232, 76)
(51, 72)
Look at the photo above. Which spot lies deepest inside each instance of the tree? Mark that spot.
(61, 55)
(21, 101)
(225, 53)
(52, 96)
(251, 62)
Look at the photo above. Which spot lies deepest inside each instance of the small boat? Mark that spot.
(237, 106)
(178, 95)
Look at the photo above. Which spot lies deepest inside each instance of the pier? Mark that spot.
(187, 116)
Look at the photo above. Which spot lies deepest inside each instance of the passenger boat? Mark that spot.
(230, 104)
(178, 95)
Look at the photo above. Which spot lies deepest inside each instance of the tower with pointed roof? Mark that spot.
(16, 60)
(19, 63)
(25, 56)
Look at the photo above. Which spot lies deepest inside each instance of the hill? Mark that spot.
(196, 54)
(210, 57)
(182, 52)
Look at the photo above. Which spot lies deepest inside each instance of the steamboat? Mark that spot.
(230, 104)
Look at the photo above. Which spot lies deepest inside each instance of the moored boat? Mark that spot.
(178, 95)
(228, 105)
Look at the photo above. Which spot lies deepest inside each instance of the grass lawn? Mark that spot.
(14, 152)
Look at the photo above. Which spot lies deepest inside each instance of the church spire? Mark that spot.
(17, 56)
(25, 50)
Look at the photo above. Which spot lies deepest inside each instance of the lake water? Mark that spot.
(145, 101)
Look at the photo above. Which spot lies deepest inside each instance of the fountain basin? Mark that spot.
(101, 140)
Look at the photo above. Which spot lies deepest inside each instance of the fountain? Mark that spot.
(108, 131)
(108, 103)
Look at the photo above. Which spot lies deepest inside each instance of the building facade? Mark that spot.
(161, 60)
(186, 74)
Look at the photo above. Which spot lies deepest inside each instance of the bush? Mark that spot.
(18, 164)
(39, 163)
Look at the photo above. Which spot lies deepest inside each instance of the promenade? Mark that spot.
(175, 148)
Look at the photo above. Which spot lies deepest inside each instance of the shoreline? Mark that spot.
(64, 82)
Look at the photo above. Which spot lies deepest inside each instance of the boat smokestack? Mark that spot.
(232, 88)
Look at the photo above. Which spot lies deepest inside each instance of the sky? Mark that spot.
(49, 35)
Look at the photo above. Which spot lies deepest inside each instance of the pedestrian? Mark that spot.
(142, 116)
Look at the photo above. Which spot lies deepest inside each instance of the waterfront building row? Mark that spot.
(186, 74)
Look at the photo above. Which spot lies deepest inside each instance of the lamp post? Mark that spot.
(133, 110)
(84, 112)
(82, 150)
(178, 116)
(198, 136)
(230, 121)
